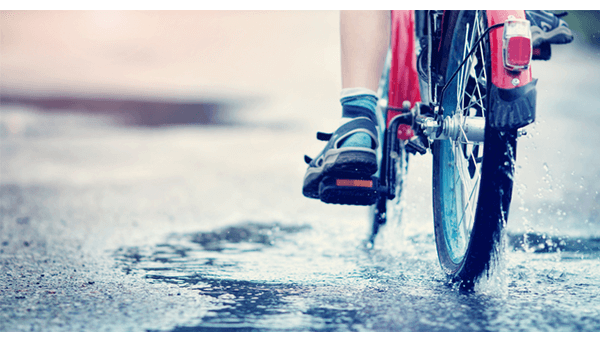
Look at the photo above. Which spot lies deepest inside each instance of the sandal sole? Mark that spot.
(352, 164)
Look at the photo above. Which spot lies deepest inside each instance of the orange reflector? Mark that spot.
(362, 183)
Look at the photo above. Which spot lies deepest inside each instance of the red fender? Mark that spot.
(501, 77)
(403, 78)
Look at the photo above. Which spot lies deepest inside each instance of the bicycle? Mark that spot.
(465, 98)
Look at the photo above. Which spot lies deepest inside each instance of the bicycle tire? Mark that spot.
(472, 183)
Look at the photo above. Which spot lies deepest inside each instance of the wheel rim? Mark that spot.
(461, 160)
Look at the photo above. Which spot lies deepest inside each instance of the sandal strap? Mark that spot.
(324, 136)
(360, 124)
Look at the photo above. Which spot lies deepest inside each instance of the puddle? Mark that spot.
(207, 254)
(203, 261)
(272, 277)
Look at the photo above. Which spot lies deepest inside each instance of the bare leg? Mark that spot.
(365, 38)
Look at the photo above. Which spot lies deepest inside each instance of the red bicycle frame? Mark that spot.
(403, 78)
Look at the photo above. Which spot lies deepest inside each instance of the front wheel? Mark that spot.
(472, 181)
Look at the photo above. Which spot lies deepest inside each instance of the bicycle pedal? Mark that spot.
(349, 191)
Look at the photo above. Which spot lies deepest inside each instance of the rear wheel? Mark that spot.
(472, 181)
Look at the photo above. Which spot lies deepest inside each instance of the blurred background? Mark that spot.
(585, 24)
(179, 67)
(166, 67)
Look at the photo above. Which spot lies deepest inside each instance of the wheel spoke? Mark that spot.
(468, 208)
(471, 96)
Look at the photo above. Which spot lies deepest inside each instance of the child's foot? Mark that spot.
(351, 151)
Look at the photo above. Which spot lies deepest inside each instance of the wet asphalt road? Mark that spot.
(203, 228)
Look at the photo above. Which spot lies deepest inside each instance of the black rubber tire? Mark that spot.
(467, 261)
